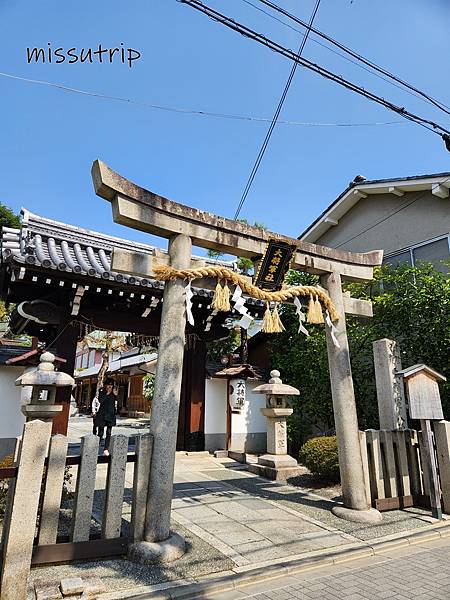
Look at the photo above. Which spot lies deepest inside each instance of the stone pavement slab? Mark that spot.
(235, 522)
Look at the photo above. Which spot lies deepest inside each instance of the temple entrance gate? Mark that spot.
(184, 226)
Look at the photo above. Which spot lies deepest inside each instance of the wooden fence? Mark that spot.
(396, 475)
(94, 515)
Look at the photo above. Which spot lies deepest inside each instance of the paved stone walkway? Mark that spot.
(233, 521)
(243, 526)
(419, 572)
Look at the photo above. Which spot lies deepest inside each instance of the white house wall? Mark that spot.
(215, 414)
(248, 428)
(11, 417)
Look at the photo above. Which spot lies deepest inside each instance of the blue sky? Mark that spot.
(50, 137)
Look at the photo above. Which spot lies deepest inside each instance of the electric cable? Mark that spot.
(354, 54)
(279, 49)
(191, 111)
(424, 98)
(275, 118)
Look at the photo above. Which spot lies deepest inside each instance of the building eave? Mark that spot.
(438, 184)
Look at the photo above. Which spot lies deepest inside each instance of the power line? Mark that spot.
(279, 49)
(403, 207)
(275, 117)
(347, 58)
(359, 57)
(191, 111)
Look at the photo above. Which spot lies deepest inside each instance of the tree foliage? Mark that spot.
(8, 218)
(411, 305)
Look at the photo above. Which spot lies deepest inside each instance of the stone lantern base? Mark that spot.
(277, 467)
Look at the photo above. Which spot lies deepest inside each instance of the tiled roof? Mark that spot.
(67, 248)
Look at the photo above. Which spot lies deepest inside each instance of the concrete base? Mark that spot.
(371, 515)
(167, 551)
(276, 467)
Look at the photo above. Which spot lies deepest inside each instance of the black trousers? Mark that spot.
(100, 431)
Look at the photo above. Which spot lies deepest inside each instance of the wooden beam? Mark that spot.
(65, 552)
(141, 209)
(440, 191)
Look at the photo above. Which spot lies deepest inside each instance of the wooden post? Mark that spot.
(18, 535)
(429, 456)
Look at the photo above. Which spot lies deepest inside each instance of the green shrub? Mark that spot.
(320, 456)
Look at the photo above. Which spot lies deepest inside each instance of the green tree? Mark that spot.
(8, 218)
(411, 305)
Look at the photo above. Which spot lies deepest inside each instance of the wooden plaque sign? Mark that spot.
(274, 265)
(424, 398)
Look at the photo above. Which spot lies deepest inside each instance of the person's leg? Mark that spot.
(108, 436)
(94, 428)
(100, 430)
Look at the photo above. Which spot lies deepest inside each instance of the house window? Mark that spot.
(435, 252)
(396, 260)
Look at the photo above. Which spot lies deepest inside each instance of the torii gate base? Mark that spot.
(138, 208)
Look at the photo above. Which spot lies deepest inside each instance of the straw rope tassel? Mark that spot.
(319, 313)
(278, 326)
(267, 324)
(217, 298)
(226, 298)
(314, 311)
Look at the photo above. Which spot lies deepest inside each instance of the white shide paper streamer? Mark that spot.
(333, 330)
(301, 316)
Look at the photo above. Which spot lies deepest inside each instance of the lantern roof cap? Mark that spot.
(276, 387)
(45, 375)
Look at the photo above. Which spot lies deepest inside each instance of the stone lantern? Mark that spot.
(276, 464)
(44, 382)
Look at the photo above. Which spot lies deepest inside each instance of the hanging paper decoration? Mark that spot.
(189, 294)
(239, 306)
(333, 330)
(301, 317)
(209, 320)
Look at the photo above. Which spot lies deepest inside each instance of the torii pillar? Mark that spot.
(141, 209)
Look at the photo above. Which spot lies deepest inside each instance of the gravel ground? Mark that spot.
(122, 574)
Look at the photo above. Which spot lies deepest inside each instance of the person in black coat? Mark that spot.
(105, 416)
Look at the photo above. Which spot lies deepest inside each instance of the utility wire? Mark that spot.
(275, 117)
(373, 72)
(190, 111)
(354, 54)
(279, 49)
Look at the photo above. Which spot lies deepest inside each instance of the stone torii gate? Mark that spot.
(184, 226)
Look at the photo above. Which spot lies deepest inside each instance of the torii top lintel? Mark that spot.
(141, 209)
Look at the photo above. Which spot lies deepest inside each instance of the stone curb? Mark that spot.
(227, 581)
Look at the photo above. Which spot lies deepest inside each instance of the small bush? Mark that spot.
(320, 456)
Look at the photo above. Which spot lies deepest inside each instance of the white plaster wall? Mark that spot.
(250, 419)
(215, 406)
(11, 417)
